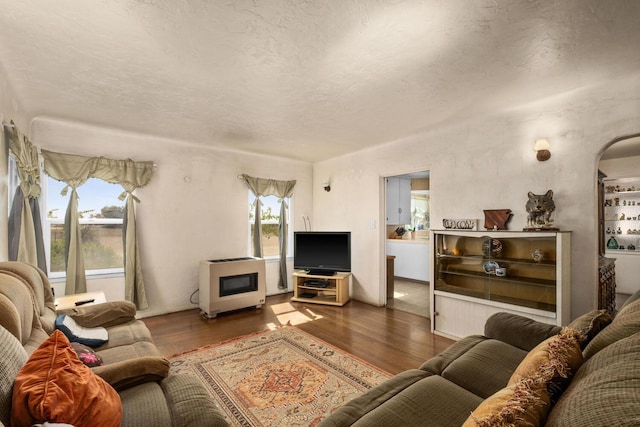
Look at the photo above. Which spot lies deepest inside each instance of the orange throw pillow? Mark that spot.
(55, 386)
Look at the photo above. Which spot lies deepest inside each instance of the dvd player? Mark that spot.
(316, 283)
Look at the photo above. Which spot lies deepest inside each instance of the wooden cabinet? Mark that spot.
(398, 201)
(475, 274)
(329, 290)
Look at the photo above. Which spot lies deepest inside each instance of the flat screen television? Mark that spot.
(322, 252)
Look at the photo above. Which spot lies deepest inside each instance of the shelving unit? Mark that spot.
(469, 283)
(622, 200)
(335, 293)
(622, 214)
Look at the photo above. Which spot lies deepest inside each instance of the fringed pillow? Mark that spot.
(552, 362)
(524, 404)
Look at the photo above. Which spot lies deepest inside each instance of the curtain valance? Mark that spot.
(75, 170)
(269, 187)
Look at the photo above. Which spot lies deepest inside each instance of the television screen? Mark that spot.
(322, 252)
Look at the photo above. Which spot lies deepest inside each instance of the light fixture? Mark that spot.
(326, 186)
(542, 149)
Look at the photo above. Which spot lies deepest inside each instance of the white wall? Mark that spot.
(488, 163)
(195, 207)
(626, 167)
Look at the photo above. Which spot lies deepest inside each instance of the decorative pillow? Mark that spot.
(523, 404)
(87, 355)
(552, 362)
(590, 324)
(93, 337)
(55, 386)
(625, 324)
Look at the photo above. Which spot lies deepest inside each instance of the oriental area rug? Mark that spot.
(282, 377)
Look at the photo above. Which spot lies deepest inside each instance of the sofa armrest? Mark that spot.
(190, 404)
(105, 314)
(519, 331)
(128, 373)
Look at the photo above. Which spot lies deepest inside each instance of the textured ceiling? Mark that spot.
(305, 79)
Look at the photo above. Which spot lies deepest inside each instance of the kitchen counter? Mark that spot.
(412, 258)
(420, 241)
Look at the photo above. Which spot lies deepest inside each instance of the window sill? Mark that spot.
(60, 279)
(275, 259)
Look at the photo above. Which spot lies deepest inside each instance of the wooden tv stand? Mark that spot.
(335, 293)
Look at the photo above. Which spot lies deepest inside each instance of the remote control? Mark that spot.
(83, 302)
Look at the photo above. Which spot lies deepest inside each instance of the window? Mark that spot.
(101, 215)
(270, 219)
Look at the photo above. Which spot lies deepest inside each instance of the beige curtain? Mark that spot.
(25, 229)
(271, 187)
(74, 171)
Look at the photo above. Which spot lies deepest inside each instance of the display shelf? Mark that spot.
(336, 291)
(622, 214)
(478, 273)
(510, 279)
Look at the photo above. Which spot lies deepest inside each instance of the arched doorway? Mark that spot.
(619, 213)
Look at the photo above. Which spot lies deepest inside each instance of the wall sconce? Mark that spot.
(542, 149)
(326, 186)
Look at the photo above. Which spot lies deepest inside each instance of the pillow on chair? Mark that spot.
(93, 337)
(55, 386)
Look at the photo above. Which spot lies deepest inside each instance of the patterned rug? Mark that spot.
(284, 377)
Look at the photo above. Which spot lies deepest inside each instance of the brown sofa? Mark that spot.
(587, 375)
(133, 366)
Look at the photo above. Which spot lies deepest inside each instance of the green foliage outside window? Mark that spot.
(101, 246)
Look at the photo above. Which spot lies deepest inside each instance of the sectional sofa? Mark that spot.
(519, 373)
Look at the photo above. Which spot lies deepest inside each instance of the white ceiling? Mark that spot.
(305, 79)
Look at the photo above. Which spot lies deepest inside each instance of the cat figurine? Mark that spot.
(540, 207)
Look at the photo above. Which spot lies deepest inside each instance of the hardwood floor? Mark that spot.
(392, 340)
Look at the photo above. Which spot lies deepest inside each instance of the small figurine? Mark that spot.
(540, 207)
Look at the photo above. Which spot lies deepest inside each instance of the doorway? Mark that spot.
(619, 213)
(407, 199)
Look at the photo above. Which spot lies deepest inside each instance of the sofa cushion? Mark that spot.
(128, 334)
(55, 386)
(519, 331)
(626, 323)
(439, 362)
(604, 391)
(552, 362)
(525, 403)
(12, 358)
(93, 337)
(431, 401)
(485, 368)
(590, 324)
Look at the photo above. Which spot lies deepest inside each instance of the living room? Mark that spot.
(480, 158)
(331, 92)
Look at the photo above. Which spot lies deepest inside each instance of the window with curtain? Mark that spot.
(270, 226)
(101, 217)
